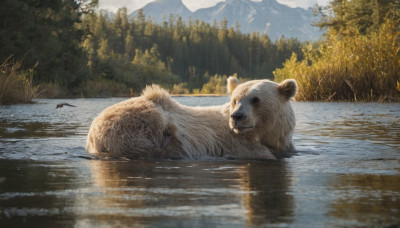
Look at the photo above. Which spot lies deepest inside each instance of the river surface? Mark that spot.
(346, 173)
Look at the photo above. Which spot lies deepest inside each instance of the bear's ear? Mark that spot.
(288, 88)
(232, 82)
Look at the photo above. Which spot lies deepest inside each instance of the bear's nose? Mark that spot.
(237, 116)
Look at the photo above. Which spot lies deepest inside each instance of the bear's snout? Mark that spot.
(239, 122)
(237, 116)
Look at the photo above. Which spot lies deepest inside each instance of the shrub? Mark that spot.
(104, 88)
(216, 85)
(16, 86)
(362, 67)
(180, 88)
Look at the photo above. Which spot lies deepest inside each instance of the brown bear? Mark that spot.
(258, 122)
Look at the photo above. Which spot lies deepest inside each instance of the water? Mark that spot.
(346, 174)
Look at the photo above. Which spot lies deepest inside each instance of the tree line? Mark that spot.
(136, 51)
(70, 48)
(81, 51)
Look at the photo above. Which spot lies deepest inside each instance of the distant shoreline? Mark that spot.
(199, 95)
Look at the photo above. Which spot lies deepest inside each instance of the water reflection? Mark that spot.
(384, 131)
(238, 193)
(379, 123)
(271, 204)
(23, 130)
(35, 193)
(346, 174)
(366, 198)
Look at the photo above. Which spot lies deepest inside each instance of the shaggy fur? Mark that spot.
(265, 112)
(155, 126)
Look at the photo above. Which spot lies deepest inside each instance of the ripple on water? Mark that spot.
(345, 173)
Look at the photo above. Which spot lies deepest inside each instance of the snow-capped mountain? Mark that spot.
(267, 16)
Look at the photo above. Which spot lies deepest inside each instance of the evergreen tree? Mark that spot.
(46, 32)
(355, 17)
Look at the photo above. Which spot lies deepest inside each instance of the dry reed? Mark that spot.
(16, 86)
(360, 68)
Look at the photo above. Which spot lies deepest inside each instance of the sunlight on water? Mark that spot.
(346, 173)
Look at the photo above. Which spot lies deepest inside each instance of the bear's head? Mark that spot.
(262, 108)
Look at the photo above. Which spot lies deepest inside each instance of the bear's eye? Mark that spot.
(234, 102)
(255, 100)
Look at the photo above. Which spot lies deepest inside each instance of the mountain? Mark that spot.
(160, 9)
(267, 16)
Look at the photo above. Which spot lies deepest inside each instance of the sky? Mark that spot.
(193, 5)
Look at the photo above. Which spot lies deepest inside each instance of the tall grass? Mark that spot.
(16, 86)
(357, 68)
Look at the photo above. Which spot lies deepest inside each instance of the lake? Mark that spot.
(346, 173)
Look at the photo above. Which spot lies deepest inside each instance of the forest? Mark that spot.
(70, 48)
(73, 49)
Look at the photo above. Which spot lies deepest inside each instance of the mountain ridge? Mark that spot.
(267, 16)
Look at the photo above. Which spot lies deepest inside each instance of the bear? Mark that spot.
(257, 123)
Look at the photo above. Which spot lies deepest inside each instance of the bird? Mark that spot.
(62, 105)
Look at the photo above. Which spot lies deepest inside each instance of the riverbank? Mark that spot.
(383, 99)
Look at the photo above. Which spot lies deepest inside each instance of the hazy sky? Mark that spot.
(193, 5)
